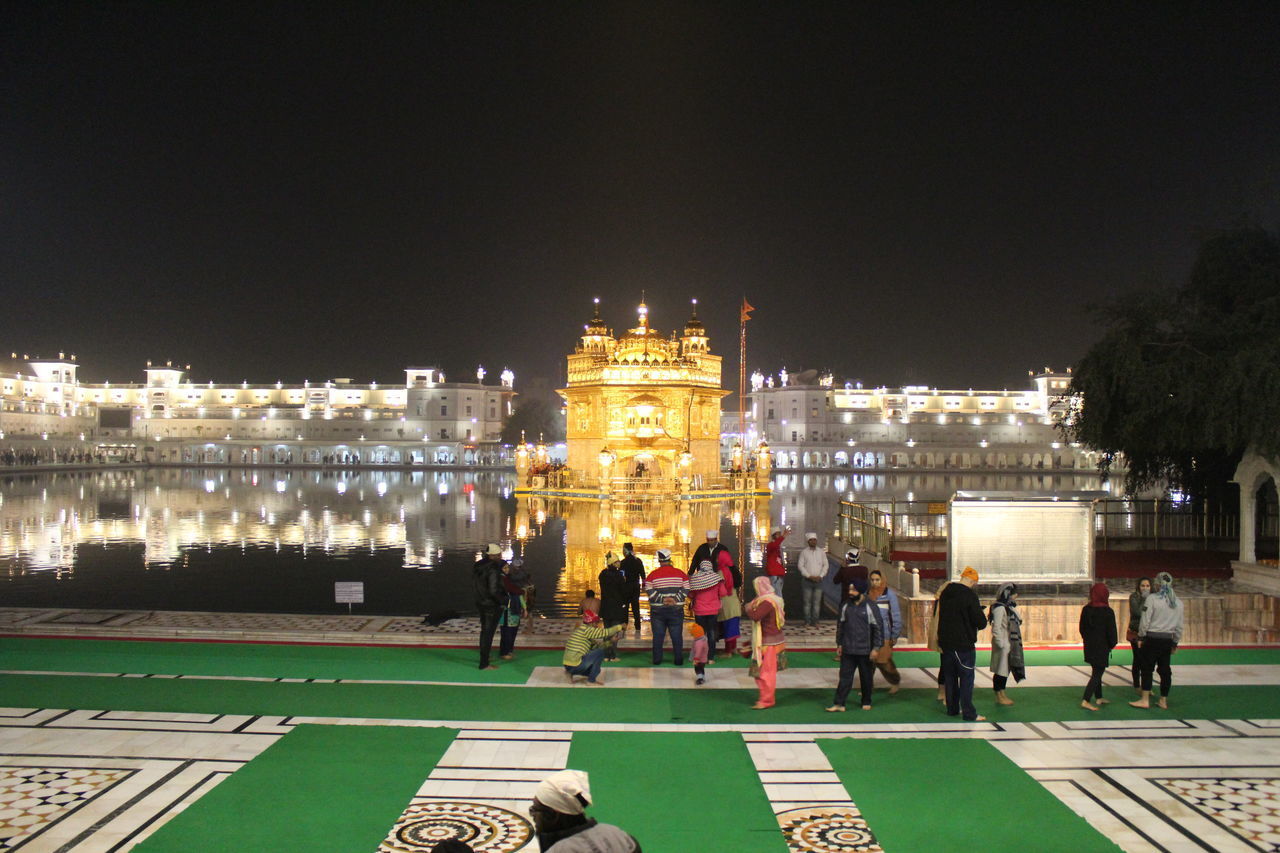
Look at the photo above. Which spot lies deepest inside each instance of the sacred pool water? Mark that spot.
(276, 541)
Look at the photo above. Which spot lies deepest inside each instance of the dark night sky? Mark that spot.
(907, 193)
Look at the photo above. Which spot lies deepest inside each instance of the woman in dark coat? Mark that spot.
(1137, 602)
(613, 600)
(1098, 631)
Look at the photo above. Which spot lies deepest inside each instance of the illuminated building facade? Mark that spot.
(173, 419)
(643, 406)
(811, 422)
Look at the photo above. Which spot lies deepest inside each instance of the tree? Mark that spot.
(535, 416)
(1185, 379)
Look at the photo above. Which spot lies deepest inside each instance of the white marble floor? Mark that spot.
(96, 781)
(736, 678)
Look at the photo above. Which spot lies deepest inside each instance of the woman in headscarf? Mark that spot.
(613, 600)
(706, 587)
(1098, 632)
(1006, 642)
(728, 621)
(883, 596)
(1137, 601)
(1159, 631)
(767, 641)
(513, 607)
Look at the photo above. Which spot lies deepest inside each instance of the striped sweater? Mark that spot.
(667, 585)
(584, 638)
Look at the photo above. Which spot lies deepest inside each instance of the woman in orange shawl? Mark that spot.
(767, 641)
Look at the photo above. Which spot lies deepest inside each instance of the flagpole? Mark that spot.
(743, 316)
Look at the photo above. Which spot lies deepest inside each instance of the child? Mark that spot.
(589, 602)
(701, 650)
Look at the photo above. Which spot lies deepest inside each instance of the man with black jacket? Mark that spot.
(633, 568)
(486, 577)
(960, 617)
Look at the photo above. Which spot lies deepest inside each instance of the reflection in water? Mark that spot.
(275, 541)
(44, 518)
(594, 528)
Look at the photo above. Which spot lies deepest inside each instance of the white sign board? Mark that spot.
(1022, 540)
(348, 592)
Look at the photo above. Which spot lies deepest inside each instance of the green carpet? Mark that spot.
(318, 788)
(678, 791)
(421, 663)
(955, 795)
(562, 704)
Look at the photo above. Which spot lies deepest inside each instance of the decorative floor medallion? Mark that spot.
(1249, 807)
(487, 829)
(827, 830)
(33, 797)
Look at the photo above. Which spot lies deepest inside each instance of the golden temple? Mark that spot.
(642, 416)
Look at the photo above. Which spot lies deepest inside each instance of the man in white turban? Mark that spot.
(559, 816)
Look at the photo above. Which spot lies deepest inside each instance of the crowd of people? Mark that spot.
(868, 626)
(15, 457)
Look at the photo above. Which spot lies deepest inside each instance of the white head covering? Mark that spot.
(713, 534)
(565, 791)
(809, 536)
(664, 555)
(775, 531)
(493, 550)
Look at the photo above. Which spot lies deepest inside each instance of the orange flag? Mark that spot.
(746, 311)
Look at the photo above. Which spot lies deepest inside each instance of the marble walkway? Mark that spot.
(89, 780)
(95, 781)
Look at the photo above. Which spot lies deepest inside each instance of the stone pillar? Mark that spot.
(1248, 523)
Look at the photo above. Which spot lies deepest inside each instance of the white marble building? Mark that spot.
(171, 419)
(812, 422)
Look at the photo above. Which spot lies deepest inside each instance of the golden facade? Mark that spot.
(642, 406)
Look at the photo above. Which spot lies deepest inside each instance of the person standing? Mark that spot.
(633, 570)
(513, 607)
(885, 597)
(813, 568)
(1099, 635)
(1159, 632)
(850, 569)
(486, 579)
(767, 640)
(960, 618)
(584, 650)
(668, 587)
(613, 599)
(707, 586)
(860, 632)
(775, 564)
(1137, 601)
(1006, 643)
(722, 561)
(729, 619)
(714, 551)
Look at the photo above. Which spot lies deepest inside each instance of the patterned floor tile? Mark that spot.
(827, 830)
(33, 797)
(487, 829)
(1247, 807)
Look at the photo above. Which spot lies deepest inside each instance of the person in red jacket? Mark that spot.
(774, 564)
